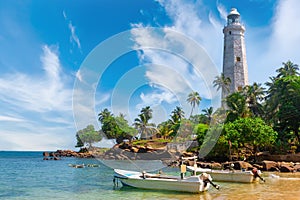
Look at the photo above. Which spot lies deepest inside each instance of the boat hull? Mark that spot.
(228, 175)
(191, 184)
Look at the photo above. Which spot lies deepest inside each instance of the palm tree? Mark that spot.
(222, 82)
(142, 124)
(177, 114)
(254, 95)
(194, 99)
(288, 69)
(147, 112)
(104, 115)
(208, 112)
(237, 106)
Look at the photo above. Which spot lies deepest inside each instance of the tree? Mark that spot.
(222, 82)
(288, 69)
(109, 124)
(254, 95)
(208, 112)
(177, 115)
(145, 128)
(165, 129)
(283, 102)
(194, 99)
(201, 130)
(127, 132)
(87, 136)
(237, 106)
(250, 132)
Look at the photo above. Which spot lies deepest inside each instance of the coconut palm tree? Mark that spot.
(254, 95)
(104, 115)
(142, 123)
(194, 99)
(237, 106)
(288, 69)
(222, 82)
(208, 112)
(147, 112)
(177, 115)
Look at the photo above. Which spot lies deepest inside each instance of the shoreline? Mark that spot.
(172, 159)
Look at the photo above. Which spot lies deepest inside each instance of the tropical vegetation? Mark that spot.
(250, 120)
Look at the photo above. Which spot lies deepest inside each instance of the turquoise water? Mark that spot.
(25, 175)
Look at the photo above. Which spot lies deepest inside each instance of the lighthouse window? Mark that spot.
(238, 59)
(229, 32)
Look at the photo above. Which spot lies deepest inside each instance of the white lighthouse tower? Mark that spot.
(234, 60)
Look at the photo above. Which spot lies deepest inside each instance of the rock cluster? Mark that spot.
(66, 153)
(125, 151)
(280, 166)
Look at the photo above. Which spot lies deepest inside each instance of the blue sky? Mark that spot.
(47, 47)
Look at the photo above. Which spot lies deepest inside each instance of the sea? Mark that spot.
(25, 175)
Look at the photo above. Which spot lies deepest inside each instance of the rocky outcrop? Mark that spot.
(280, 158)
(270, 165)
(66, 153)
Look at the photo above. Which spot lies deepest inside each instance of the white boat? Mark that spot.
(194, 184)
(229, 175)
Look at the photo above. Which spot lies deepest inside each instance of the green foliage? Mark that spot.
(115, 127)
(201, 130)
(87, 136)
(250, 131)
(141, 123)
(194, 99)
(236, 103)
(283, 102)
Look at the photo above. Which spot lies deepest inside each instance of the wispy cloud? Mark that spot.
(222, 11)
(37, 93)
(171, 71)
(73, 38)
(275, 43)
(41, 104)
(10, 119)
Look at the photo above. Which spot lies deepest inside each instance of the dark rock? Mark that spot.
(270, 165)
(46, 154)
(286, 168)
(274, 169)
(216, 165)
(297, 167)
(257, 166)
(238, 165)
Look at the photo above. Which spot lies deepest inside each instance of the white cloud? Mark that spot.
(222, 11)
(275, 43)
(40, 93)
(37, 108)
(170, 70)
(285, 38)
(154, 99)
(10, 119)
(73, 38)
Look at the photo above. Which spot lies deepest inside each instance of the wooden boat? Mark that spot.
(229, 175)
(193, 184)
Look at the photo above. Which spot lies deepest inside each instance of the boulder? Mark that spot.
(45, 154)
(286, 168)
(270, 165)
(297, 167)
(216, 165)
(134, 149)
(238, 165)
(257, 166)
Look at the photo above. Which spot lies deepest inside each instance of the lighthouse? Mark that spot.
(234, 58)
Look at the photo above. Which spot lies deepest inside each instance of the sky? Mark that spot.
(62, 62)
